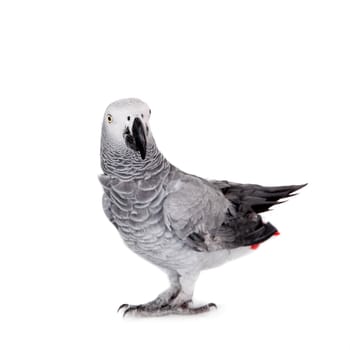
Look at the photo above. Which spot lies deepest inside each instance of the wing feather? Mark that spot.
(193, 206)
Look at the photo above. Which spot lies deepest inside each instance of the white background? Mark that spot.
(250, 91)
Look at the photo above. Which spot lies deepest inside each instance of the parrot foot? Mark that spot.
(188, 309)
(150, 309)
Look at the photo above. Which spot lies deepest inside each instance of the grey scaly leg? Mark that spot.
(177, 300)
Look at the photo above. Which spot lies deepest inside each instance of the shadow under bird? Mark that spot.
(177, 221)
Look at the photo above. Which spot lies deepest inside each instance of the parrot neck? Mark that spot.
(125, 164)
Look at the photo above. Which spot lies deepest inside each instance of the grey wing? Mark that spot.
(193, 209)
(199, 214)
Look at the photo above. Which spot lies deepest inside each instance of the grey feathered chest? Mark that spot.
(134, 204)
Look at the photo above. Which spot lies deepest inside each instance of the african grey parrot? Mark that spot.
(179, 222)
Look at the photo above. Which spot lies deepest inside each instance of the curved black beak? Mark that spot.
(138, 133)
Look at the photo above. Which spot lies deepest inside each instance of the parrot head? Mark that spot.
(126, 125)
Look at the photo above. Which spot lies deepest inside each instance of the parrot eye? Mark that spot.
(128, 117)
(149, 112)
(109, 118)
(141, 115)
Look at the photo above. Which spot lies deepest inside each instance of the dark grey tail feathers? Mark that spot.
(256, 198)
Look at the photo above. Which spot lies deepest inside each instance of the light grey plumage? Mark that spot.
(179, 222)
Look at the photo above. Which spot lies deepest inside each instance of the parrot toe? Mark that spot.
(188, 309)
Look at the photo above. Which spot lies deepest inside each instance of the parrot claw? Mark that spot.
(122, 306)
(213, 305)
(128, 309)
